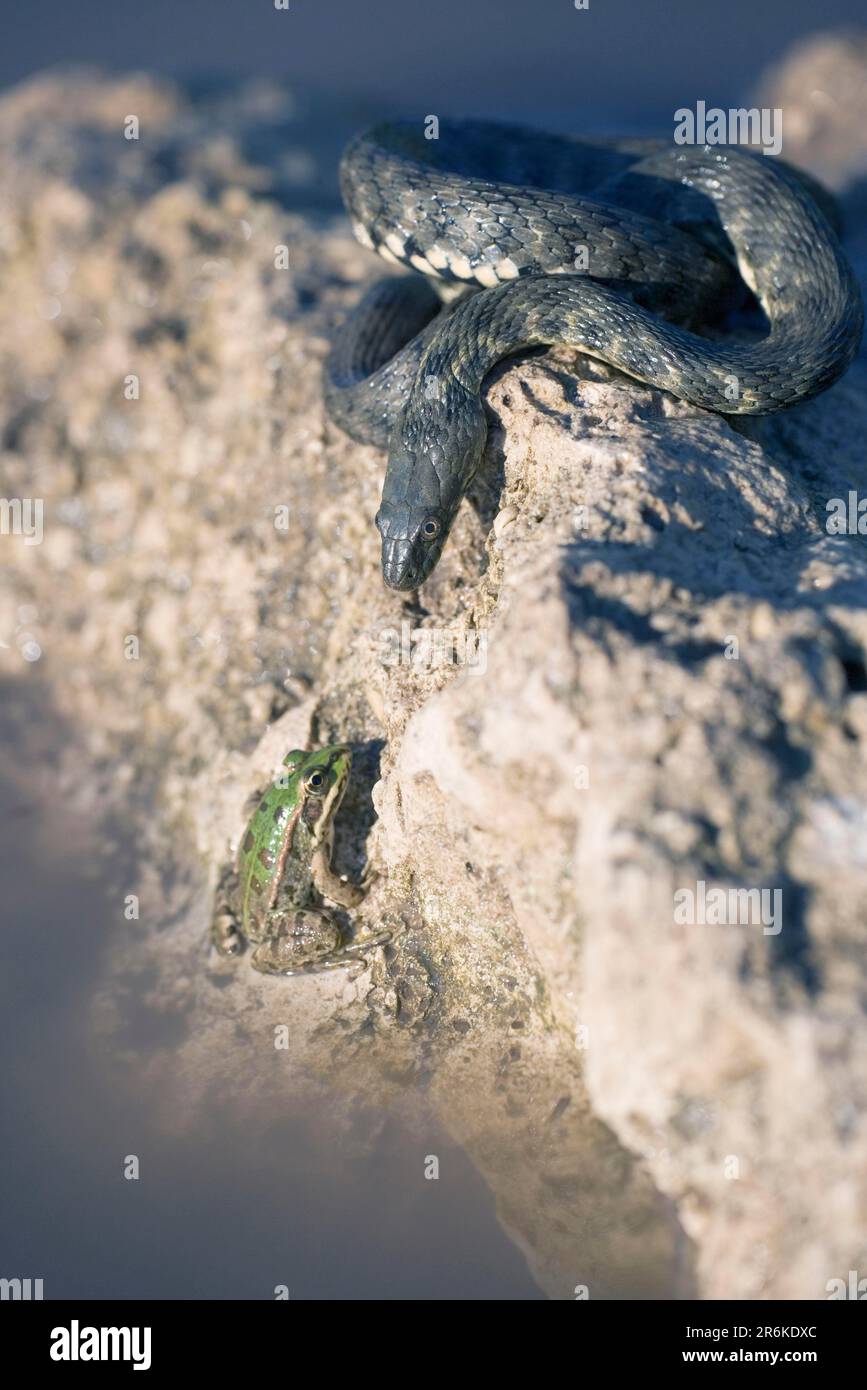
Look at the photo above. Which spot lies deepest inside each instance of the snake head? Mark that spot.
(433, 456)
(412, 539)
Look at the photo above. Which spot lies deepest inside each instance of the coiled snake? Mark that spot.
(610, 247)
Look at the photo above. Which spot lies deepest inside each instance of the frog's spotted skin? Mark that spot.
(273, 894)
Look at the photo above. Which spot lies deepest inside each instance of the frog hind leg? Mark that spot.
(277, 956)
(302, 940)
(226, 935)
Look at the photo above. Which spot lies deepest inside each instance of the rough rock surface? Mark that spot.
(667, 686)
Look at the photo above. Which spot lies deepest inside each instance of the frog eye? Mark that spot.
(315, 783)
(430, 528)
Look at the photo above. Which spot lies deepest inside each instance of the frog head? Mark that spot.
(316, 783)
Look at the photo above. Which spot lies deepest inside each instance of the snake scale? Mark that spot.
(617, 248)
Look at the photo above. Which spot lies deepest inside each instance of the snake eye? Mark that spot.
(430, 529)
(316, 783)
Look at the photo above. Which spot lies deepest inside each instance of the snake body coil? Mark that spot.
(610, 247)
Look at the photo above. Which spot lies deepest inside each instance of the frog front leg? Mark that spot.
(327, 882)
(226, 934)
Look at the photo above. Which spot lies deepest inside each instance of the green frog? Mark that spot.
(273, 894)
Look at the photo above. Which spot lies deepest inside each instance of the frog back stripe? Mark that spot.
(285, 846)
(253, 863)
